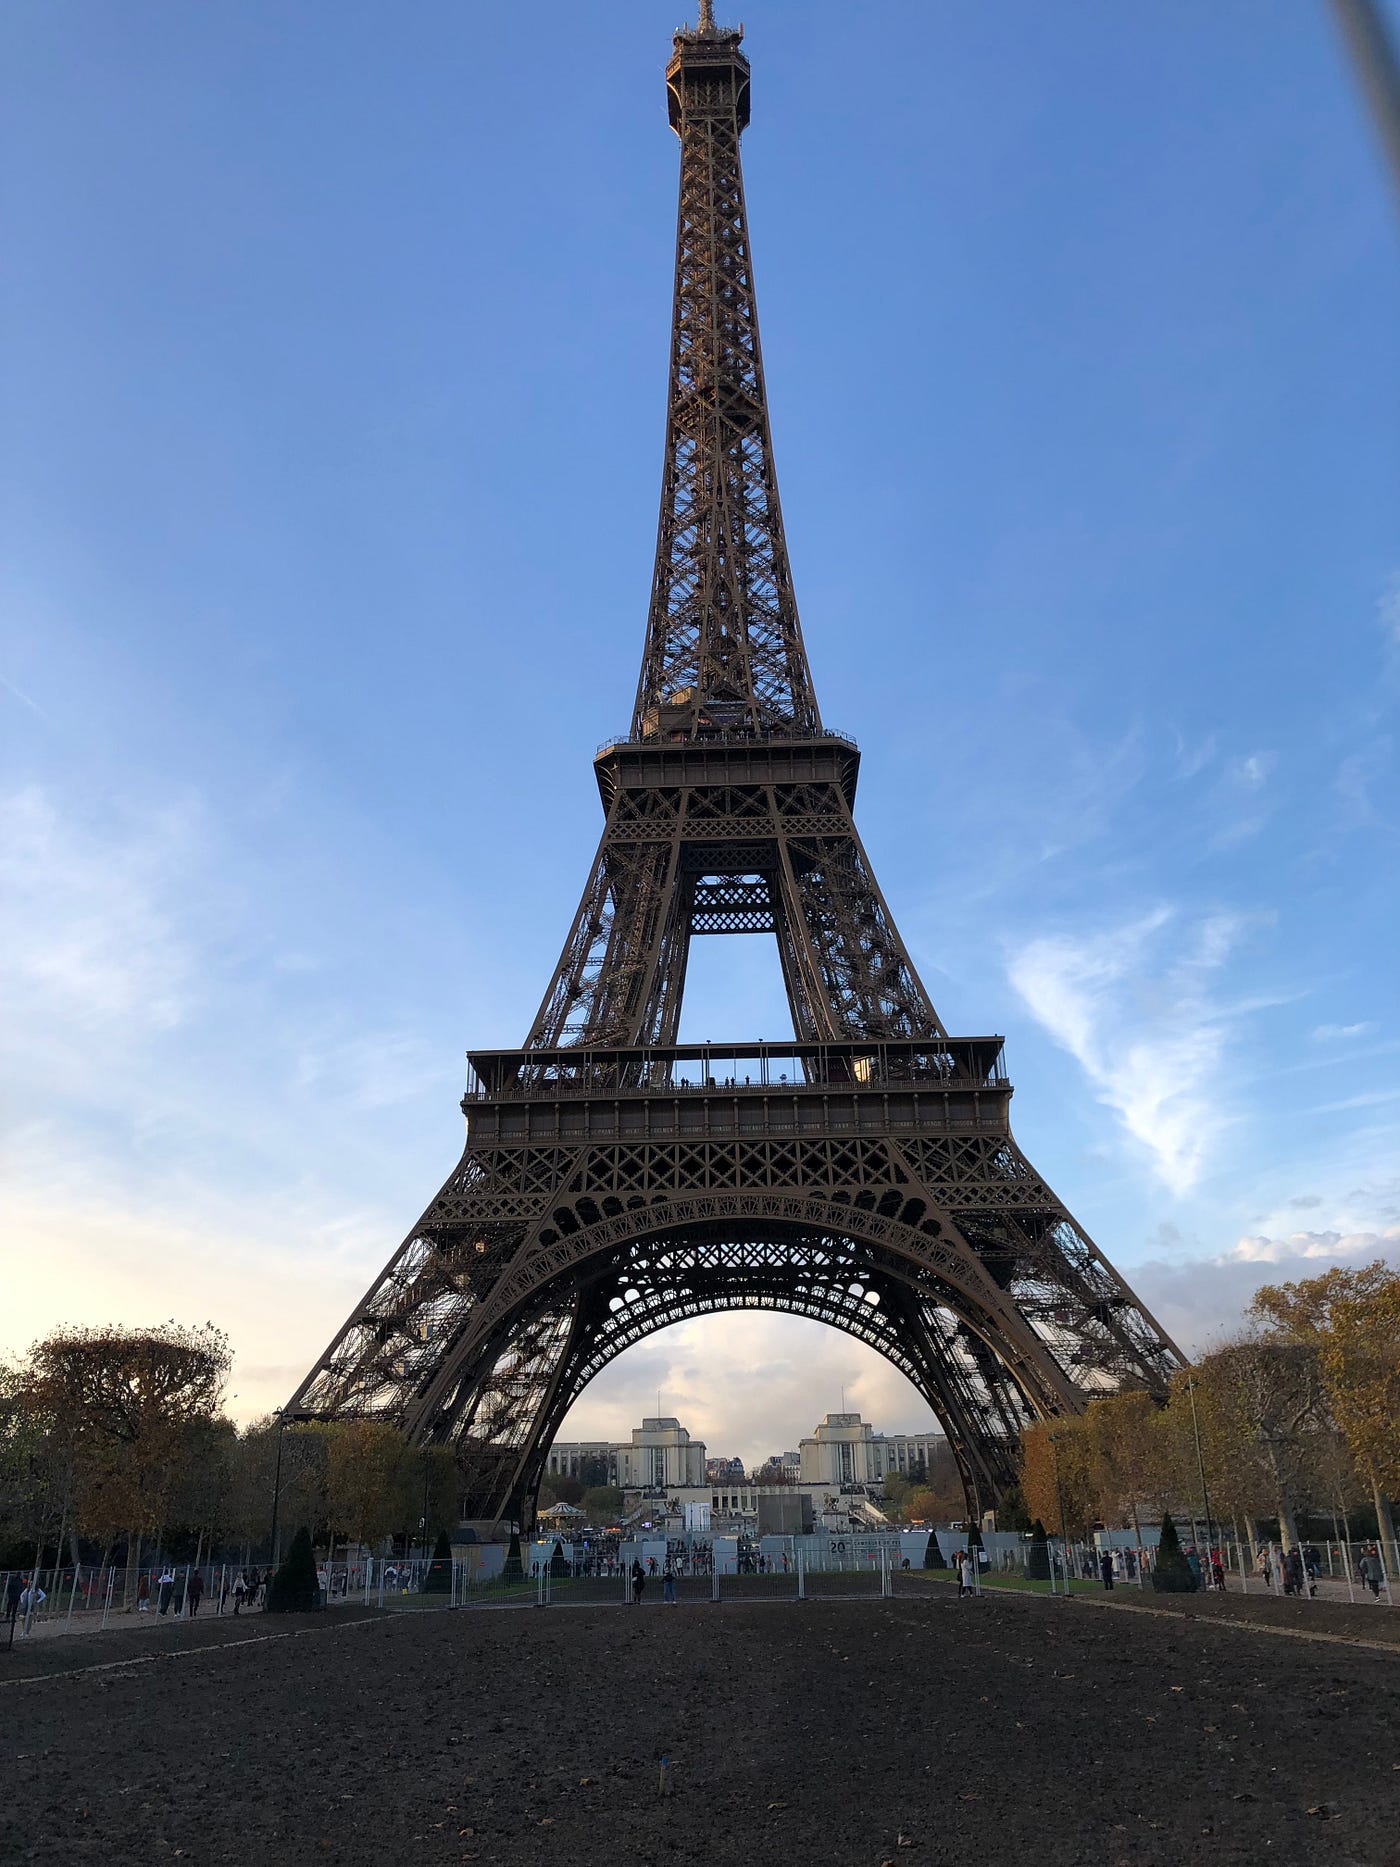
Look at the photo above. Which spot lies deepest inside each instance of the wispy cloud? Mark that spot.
(1339, 1033)
(1133, 1005)
(1252, 772)
(87, 944)
(24, 699)
(1191, 760)
(1388, 609)
(1358, 776)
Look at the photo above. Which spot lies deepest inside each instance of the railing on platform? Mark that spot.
(932, 1064)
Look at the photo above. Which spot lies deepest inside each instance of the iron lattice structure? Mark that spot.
(615, 1181)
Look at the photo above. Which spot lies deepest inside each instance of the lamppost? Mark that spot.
(1201, 1468)
(277, 1486)
(1060, 1505)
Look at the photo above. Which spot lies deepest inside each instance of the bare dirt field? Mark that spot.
(916, 1730)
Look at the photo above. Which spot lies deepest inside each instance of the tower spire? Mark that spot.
(724, 649)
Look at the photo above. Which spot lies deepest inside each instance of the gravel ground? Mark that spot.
(855, 1732)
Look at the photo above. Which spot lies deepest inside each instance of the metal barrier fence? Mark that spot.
(804, 1569)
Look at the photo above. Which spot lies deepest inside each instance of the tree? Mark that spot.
(1011, 1512)
(118, 1406)
(371, 1480)
(439, 1483)
(514, 1569)
(1038, 1554)
(602, 1503)
(438, 1580)
(1171, 1573)
(594, 1469)
(294, 1589)
(1361, 1370)
(923, 1506)
(1352, 1318)
(558, 1561)
(1264, 1412)
(1057, 1463)
(1128, 1454)
(933, 1555)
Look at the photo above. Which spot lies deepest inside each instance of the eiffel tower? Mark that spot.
(615, 1181)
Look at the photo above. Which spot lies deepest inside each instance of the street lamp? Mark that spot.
(1060, 1504)
(1201, 1468)
(277, 1486)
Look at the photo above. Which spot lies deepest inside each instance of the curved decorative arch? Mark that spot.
(925, 1246)
(974, 1358)
(846, 1290)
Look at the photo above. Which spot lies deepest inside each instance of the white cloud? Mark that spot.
(1132, 1005)
(1337, 1033)
(1200, 1301)
(1388, 609)
(88, 948)
(746, 1383)
(1191, 760)
(1252, 773)
(1263, 1249)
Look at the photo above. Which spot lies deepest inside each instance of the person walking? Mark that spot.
(166, 1588)
(1293, 1572)
(143, 1592)
(1106, 1568)
(14, 1588)
(1369, 1569)
(639, 1581)
(240, 1589)
(965, 1576)
(31, 1599)
(1217, 1571)
(194, 1591)
(668, 1585)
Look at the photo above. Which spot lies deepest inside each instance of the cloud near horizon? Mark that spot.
(1199, 1301)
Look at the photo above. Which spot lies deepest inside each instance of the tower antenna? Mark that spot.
(707, 16)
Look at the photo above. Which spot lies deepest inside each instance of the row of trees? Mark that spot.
(1299, 1415)
(115, 1439)
(930, 1493)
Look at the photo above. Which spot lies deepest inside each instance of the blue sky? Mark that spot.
(334, 346)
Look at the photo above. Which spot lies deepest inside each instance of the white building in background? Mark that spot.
(662, 1456)
(840, 1452)
(575, 1458)
(846, 1450)
(909, 1454)
(842, 1460)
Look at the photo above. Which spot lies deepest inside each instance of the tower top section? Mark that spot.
(724, 654)
(708, 57)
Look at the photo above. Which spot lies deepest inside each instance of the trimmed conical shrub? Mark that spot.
(1171, 1573)
(933, 1555)
(559, 1562)
(294, 1589)
(514, 1570)
(1038, 1554)
(438, 1580)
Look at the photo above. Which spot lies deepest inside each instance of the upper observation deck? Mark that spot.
(955, 1084)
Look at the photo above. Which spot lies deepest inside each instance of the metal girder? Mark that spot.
(615, 1182)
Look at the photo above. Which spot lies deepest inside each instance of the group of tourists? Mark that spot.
(1296, 1571)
